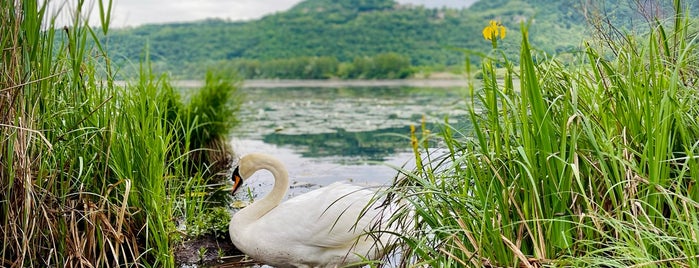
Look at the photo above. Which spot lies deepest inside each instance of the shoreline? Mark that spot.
(290, 83)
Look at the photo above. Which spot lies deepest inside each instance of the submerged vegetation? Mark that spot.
(93, 174)
(592, 163)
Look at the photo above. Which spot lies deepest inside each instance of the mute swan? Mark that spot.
(321, 228)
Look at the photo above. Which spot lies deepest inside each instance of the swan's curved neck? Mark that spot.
(261, 207)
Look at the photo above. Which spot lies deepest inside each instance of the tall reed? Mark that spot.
(592, 163)
(91, 174)
(57, 207)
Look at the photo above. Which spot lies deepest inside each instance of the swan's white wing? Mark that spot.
(344, 218)
(324, 218)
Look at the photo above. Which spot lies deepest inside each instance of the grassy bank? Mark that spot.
(591, 163)
(93, 174)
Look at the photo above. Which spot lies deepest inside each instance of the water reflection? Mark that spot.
(374, 145)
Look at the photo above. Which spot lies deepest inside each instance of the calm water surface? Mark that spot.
(356, 134)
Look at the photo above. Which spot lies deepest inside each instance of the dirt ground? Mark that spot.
(208, 251)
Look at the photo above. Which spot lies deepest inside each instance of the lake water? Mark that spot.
(328, 134)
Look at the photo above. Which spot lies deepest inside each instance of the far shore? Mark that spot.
(334, 83)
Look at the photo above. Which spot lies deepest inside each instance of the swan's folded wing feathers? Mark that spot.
(323, 218)
(340, 223)
(340, 233)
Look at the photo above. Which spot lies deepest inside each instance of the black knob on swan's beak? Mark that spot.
(237, 180)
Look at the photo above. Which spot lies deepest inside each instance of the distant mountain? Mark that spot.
(344, 31)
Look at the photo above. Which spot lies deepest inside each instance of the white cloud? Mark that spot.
(135, 12)
(138, 12)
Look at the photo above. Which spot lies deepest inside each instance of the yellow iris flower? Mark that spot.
(494, 30)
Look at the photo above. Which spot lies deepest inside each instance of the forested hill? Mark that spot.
(346, 32)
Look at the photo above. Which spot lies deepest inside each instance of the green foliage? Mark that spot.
(140, 145)
(303, 68)
(589, 164)
(209, 120)
(381, 66)
(213, 221)
(211, 107)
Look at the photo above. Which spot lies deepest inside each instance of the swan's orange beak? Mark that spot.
(237, 180)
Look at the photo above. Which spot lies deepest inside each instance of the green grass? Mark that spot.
(592, 163)
(94, 174)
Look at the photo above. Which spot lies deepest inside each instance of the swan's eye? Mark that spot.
(237, 180)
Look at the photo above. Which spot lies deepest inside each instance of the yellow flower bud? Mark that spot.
(488, 33)
(494, 30)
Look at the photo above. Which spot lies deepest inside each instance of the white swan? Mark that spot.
(321, 228)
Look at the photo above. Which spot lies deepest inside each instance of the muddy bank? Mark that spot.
(210, 252)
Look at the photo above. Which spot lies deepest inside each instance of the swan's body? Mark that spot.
(322, 228)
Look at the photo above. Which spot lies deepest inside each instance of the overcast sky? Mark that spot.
(138, 12)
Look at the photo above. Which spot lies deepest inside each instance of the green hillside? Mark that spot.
(324, 38)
